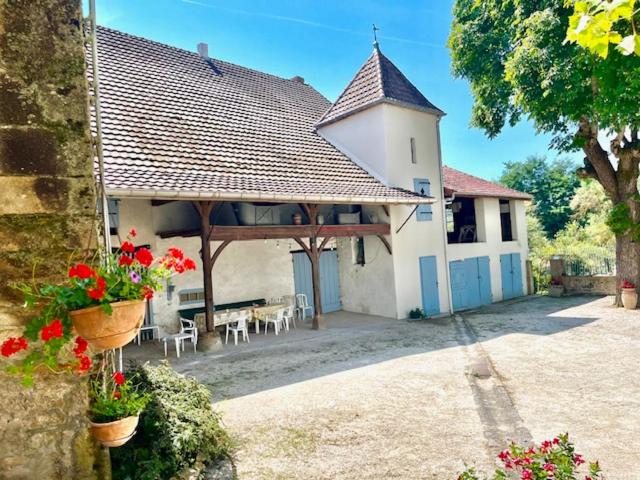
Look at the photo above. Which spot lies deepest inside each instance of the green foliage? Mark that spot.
(177, 428)
(552, 185)
(110, 401)
(620, 222)
(595, 24)
(417, 313)
(514, 56)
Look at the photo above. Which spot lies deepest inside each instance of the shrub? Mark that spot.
(552, 459)
(177, 429)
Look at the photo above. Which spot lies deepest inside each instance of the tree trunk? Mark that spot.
(627, 263)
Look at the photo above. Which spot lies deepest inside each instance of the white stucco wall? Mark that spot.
(245, 270)
(491, 244)
(367, 289)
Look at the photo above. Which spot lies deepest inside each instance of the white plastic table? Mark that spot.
(179, 339)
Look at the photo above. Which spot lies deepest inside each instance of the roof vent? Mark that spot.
(298, 79)
(203, 50)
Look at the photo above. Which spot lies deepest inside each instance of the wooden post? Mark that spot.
(204, 209)
(314, 257)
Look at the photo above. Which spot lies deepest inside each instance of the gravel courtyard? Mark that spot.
(372, 398)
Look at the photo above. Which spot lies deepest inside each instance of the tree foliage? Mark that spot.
(552, 185)
(595, 24)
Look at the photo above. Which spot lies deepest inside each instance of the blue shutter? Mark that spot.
(507, 276)
(429, 285)
(516, 268)
(423, 187)
(485, 280)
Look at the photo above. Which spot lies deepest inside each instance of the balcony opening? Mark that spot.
(461, 221)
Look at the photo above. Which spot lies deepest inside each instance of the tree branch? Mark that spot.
(598, 158)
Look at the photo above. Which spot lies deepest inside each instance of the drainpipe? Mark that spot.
(98, 138)
(444, 219)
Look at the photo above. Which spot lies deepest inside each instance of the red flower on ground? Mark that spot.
(97, 292)
(81, 271)
(189, 264)
(176, 253)
(133, 233)
(53, 330)
(81, 346)
(147, 293)
(127, 247)
(85, 363)
(125, 260)
(13, 345)
(144, 257)
(118, 378)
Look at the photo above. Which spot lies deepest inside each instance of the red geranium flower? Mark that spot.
(578, 459)
(133, 233)
(13, 345)
(53, 330)
(97, 292)
(81, 346)
(175, 253)
(81, 271)
(189, 264)
(117, 395)
(527, 475)
(179, 267)
(85, 363)
(147, 292)
(125, 260)
(144, 257)
(118, 378)
(127, 247)
(549, 467)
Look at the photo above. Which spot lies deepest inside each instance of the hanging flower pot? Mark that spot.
(106, 331)
(116, 433)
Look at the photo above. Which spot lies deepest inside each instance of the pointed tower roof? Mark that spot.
(377, 81)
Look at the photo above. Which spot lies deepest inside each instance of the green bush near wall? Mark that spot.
(177, 430)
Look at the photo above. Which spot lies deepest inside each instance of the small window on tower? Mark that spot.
(414, 157)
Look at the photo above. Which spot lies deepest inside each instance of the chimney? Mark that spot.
(203, 50)
(298, 79)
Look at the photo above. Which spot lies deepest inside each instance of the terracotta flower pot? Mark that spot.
(104, 331)
(629, 298)
(117, 433)
(556, 290)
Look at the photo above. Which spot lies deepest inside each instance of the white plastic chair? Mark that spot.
(277, 320)
(239, 326)
(303, 306)
(289, 317)
(188, 327)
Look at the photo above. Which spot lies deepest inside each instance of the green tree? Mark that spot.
(552, 186)
(595, 24)
(514, 55)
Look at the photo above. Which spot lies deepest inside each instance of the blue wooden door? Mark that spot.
(511, 272)
(507, 276)
(470, 283)
(429, 285)
(329, 279)
(459, 293)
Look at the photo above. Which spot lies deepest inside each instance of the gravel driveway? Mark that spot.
(373, 398)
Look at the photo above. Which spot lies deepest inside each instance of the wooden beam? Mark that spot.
(323, 244)
(385, 208)
(386, 243)
(204, 209)
(283, 231)
(304, 247)
(218, 251)
(318, 317)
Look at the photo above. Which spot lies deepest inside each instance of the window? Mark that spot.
(463, 227)
(423, 187)
(505, 221)
(414, 157)
(191, 296)
(357, 251)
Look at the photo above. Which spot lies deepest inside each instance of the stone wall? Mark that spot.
(593, 285)
(47, 212)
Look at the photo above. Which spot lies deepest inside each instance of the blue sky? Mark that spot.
(326, 42)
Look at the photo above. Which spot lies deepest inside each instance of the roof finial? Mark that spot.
(375, 37)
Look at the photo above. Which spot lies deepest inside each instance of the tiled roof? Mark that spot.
(175, 123)
(378, 80)
(466, 185)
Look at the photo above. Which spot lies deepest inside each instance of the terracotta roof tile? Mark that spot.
(467, 185)
(176, 122)
(377, 80)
